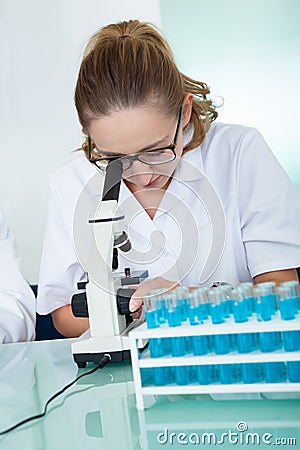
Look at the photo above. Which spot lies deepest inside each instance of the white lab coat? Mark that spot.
(229, 214)
(17, 302)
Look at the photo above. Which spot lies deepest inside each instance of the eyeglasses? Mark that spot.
(153, 157)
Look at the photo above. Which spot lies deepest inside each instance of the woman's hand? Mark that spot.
(144, 288)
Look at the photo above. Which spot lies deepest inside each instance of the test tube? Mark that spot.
(156, 347)
(152, 305)
(293, 371)
(177, 344)
(274, 372)
(227, 373)
(239, 308)
(161, 376)
(245, 341)
(182, 375)
(221, 341)
(269, 294)
(247, 289)
(198, 344)
(263, 306)
(240, 314)
(173, 311)
(250, 373)
(193, 314)
(286, 302)
(227, 299)
(294, 285)
(204, 310)
(215, 296)
(204, 303)
(268, 341)
(291, 339)
(158, 296)
(182, 295)
(152, 312)
(204, 374)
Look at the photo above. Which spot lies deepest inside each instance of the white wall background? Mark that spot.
(41, 44)
(249, 53)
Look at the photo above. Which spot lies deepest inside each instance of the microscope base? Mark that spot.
(91, 349)
(82, 359)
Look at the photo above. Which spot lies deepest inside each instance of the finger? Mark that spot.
(137, 314)
(135, 304)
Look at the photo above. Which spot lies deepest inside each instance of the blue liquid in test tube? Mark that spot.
(199, 344)
(227, 300)
(248, 295)
(240, 314)
(204, 374)
(152, 312)
(152, 307)
(182, 295)
(216, 308)
(245, 341)
(227, 373)
(291, 339)
(294, 286)
(177, 344)
(268, 341)
(250, 373)
(173, 311)
(157, 350)
(293, 371)
(156, 347)
(204, 304)
(268, 288)
(181, 375)
(158, 299)
(274, 372)
(184, 301)
(222, 343)
(193, 313)
(160, 376)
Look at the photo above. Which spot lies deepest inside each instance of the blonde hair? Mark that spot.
(130, 64)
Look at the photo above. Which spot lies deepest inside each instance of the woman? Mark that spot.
(204, 202)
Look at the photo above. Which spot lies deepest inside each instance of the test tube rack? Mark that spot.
(143, 360)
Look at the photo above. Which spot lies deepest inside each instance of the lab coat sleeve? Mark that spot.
(17, 302)
(60, 269)
(269, 206)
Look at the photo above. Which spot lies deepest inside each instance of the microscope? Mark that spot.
(105, 297)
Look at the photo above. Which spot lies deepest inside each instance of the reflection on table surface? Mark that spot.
(99, 411)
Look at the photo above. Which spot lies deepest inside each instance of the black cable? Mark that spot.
(104, 360)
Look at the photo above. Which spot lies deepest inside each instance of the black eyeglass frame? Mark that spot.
(136, 156)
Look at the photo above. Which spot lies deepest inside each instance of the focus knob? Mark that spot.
(79, 305)
(123, 298)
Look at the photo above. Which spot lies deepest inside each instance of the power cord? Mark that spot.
(104, 360)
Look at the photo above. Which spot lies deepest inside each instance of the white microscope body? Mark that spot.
(108, 331)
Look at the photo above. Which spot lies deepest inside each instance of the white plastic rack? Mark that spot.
(143, 360)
